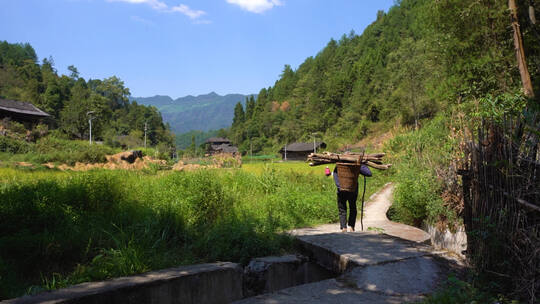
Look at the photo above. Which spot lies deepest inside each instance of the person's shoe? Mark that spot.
(344, 230)
(352, 229)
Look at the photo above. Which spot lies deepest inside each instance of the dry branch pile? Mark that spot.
(372, 160)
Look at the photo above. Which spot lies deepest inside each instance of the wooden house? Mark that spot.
(299, 150)
(23, 112)
(217, 145)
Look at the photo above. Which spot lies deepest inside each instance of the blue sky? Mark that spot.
(183, 47)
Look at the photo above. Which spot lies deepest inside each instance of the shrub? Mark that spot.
(14, 146)
(416, 197)
(52, 149)
(16, 127)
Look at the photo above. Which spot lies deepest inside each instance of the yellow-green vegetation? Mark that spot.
(285, 167)
(64, 151)
(297, 168)
(53, 149)
(60, 228)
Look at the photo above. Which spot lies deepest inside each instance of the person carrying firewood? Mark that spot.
(346, 180)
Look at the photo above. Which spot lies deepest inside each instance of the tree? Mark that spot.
(409, 65)
(250, 107)
(70, 98)
(73, 118)
(113, 90)
(239, 115)
(52, 100)
(74, 72)
(520, 55)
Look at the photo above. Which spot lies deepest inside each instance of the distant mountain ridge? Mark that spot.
(203, 112)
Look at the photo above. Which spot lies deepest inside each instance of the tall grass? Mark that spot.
(60, 228)
(420, 157)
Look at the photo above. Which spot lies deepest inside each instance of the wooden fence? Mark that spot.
(501, 188)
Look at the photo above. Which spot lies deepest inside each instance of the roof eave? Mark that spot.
(34, 113)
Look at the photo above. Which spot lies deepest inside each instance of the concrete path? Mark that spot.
(375, 220)
(396, 266)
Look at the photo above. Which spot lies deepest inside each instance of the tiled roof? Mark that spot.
(21, 107)
(217, 140)
(302, 147)
(225, 148)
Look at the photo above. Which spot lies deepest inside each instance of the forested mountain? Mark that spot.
(204, 112)
(68, 98)
(193, 139)
(420, 57)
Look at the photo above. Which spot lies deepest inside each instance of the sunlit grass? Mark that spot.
(59, 228)
(288, 167)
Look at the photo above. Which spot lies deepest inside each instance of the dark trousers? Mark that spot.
(342, 198)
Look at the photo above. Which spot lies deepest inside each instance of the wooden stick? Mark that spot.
(353, 158)
(377, 166)
(520, 54)
(373, 160)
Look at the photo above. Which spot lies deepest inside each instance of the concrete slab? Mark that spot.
(328, 291)
(268, 274)
(203, 283)
(342, 251)
(412, 276)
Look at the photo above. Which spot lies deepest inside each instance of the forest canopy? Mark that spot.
(417, 59)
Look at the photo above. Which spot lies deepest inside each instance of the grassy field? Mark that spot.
(61, 228)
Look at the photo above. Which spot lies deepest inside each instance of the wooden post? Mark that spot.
(520, 55)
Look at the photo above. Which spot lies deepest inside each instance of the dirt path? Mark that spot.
(375, 220)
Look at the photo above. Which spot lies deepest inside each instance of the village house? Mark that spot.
(217, 145)
(23, 112)
(299, 150)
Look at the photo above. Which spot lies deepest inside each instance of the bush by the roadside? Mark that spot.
(417, 197)
(14, 146)
(420, 155)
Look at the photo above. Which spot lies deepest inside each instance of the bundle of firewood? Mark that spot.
(372, 160)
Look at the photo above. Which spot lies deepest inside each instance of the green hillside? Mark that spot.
(184, 140)
(68, 98)
(420, 58)
(203, 113)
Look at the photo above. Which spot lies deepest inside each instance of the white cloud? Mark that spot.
(184, 9)
(256, 6)
(163, 7)
(155, 4)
